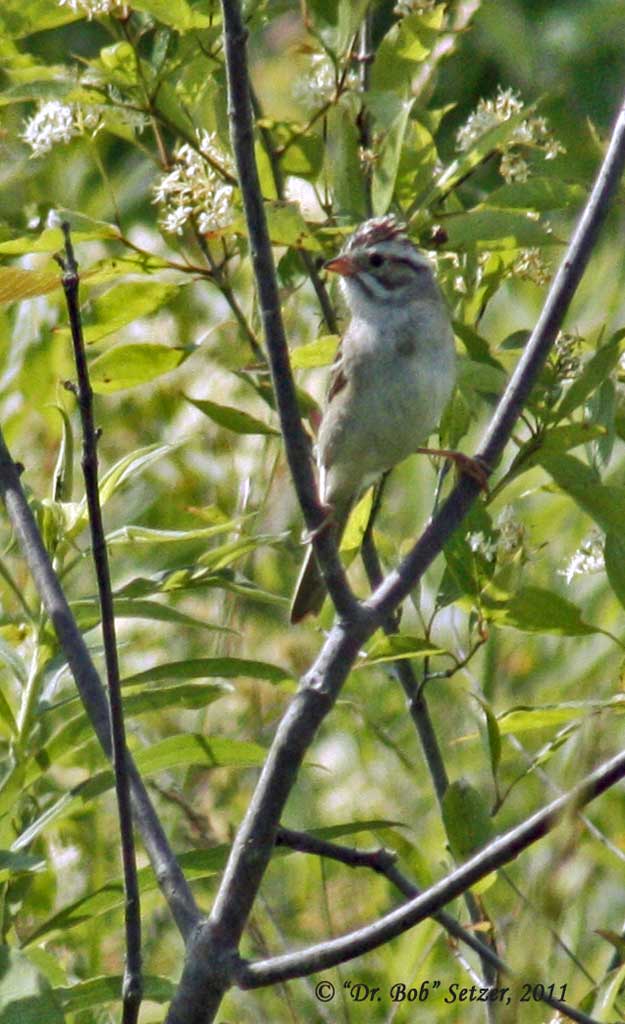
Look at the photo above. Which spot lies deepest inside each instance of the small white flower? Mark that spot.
(511, 532)
(513, 167)
(482, 545)
(588, 559)
(317, 85)
(533, 132)
(531, 266)
(194, 191)
(53, 123)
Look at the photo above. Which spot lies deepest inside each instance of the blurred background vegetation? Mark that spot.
(552, 679)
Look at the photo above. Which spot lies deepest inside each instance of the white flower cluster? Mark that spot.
(532, 132)
(567, 355)
(587, 559)
(195, 190)
(57, 122)
(318, 84)
(91, 8)
(530, 265)
(509, 540)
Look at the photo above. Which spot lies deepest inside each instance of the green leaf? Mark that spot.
(237, 420)
(196, 749)
(176, 13)
(19, 864)
(592, 376)
(342, 165)
(64, 469)
(52, 240)
(605, 503)
(146, 535)
(398, 55)
(493, 733)
(466, 818)
(524, 718)
(389, 154)
(17, 284)
(397, 646)
(553, 442)
(488, 229)
(614, 554)
(126, 366)
(286, 226)
(320, 352)
(18, 19)
(124, 303)
(205, 668)
(178, 751)
(26, 996)
(534, 610)
(86, 994)
(87, 612)
(541, 194)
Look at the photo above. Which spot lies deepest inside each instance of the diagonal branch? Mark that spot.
(499, 852)
(164, 864)
(399, 583)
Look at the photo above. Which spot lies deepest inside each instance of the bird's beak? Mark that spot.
(344, 265)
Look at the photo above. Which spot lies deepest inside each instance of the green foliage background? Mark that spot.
(202, 520)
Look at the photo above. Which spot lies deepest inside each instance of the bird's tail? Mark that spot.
(310, 589)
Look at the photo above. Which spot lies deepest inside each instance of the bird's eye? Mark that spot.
(376, 259)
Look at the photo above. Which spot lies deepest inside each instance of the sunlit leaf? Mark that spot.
(26, 996)
(85, 994)
(534, 610)
(126, 366)
(16, 283)
(320, 352)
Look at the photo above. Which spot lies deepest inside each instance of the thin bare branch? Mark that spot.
(166, 869)
(132, 989)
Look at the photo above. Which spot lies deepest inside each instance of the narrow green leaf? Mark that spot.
(534, 610)
(127, 366)
(178, 751)
(396, 646)
(64, 469)
(614, 555)
(386, 166)
(86, 994)
(605, 503)
(196, 749)
(525, 718)
(16, 283)
(342, 165)
(147, 535)
(87, 612)
(237, 420)
(205, 668)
